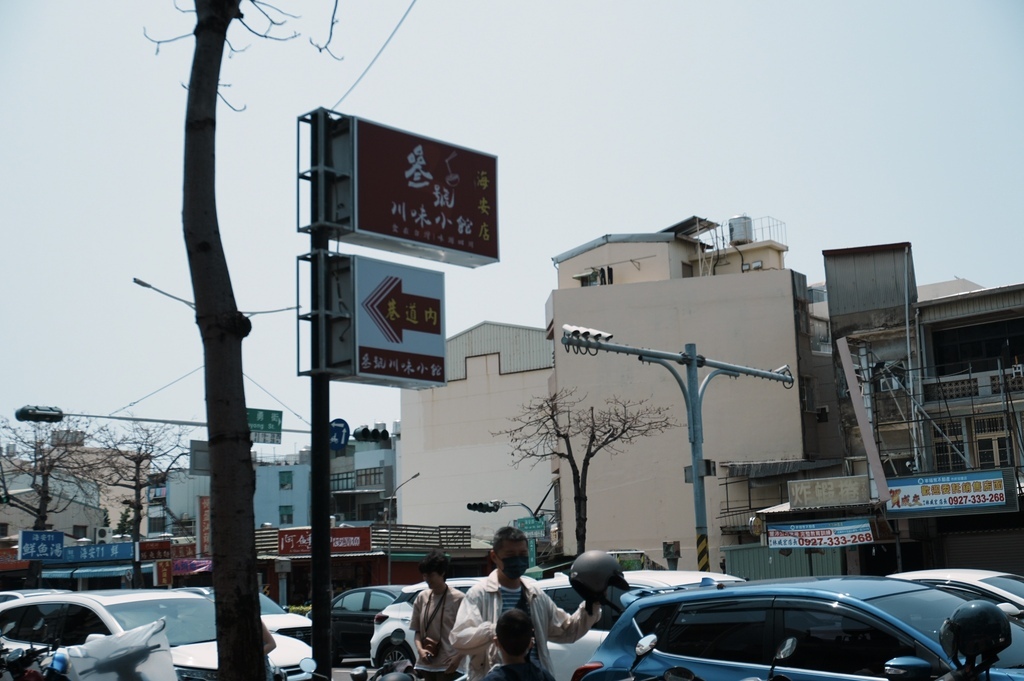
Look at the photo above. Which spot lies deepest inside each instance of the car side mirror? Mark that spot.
(907, 668)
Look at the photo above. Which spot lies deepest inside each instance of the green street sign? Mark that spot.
(265, 426)
(533, 528)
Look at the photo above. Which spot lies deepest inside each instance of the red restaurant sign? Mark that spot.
(400, 192)
(343, 540)
(155, 550)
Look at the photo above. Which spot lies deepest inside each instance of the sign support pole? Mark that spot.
(320, 408)
(693, 396)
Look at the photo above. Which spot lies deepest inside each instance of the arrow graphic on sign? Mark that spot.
(395, 312)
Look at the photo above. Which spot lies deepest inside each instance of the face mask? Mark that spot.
(514, 567)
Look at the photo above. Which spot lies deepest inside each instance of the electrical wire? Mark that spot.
(374, 60)
(292, 411)
(132, 404)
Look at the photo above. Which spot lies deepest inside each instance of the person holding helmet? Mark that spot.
(506, 588)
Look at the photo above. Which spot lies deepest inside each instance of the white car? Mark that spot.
(989, 585)
(277, 619)
(25, 593)
(191, 631)
(397, 616)
(565, 657)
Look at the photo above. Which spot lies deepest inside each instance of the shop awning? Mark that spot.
(63, 573)
(108, 571)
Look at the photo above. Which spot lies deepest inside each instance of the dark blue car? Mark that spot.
(845, 628)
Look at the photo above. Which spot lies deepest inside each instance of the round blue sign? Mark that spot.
(339, 435)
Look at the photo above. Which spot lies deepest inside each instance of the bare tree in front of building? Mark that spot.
(136, 459)
(557, 426)
(45, 468)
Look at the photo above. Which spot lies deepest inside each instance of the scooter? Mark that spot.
(396, 670)
(22, 664)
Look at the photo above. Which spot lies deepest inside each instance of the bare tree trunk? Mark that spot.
(579, 498)
(222, 328)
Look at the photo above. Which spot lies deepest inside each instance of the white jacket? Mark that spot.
(473, 633)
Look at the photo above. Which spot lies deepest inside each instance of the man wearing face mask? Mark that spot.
(506, 588)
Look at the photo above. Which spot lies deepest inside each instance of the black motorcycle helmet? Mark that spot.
(594, 571)
(975, 628)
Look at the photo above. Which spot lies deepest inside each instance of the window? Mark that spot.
(380, 600)
(285, 516)
(36, 623)
(365, 477)
(79, 622)
(831, 640)
(948, 437)
(157, 524)
(725, 632)
(992, 442)
(343, 481)
(352, 601)
(4, 530)
(79, 531)
(284, 480)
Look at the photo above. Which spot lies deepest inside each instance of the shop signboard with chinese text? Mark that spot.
(163, 573)
(297, 542)
(851, 490)
(158, 549)
(393, 333)
(938, 494)
(384, 188)
(99, 552)
(823, 534)
(41, 545)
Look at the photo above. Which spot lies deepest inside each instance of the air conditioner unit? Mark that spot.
(105, 535)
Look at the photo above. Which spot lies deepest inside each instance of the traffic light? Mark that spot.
(484, 506)
(47, 414)
(364, 434)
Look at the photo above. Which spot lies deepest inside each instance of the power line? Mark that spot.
(374, 60)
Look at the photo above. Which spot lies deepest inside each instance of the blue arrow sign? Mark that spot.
(339, 435)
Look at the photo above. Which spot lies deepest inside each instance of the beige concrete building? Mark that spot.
(730, 294)
(493, 369)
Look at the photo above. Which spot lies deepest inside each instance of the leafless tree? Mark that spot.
(558, 426)
(136, 458)
(46, 469)
(222, 328)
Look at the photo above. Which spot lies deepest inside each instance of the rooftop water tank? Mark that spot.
(741, 230)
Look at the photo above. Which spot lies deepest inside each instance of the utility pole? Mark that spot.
(584, 340)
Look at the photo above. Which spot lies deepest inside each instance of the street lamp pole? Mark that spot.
(584, 340)
(391, 523)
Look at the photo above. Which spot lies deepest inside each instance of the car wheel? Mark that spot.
(397, 653)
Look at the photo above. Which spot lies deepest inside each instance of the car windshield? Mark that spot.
(269, 607)
(926, 609)
(1011, 583)
(189, 620)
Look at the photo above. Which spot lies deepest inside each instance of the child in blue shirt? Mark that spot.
(514, 637)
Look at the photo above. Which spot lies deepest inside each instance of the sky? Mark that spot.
(853, 123)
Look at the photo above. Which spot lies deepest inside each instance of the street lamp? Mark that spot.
(589, 341)
(394, 498)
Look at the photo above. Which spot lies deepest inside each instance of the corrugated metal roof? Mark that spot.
(870, 278)
(519, 348)
(1001, 299)
(763, 469)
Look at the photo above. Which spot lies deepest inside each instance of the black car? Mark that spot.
(352, 614)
